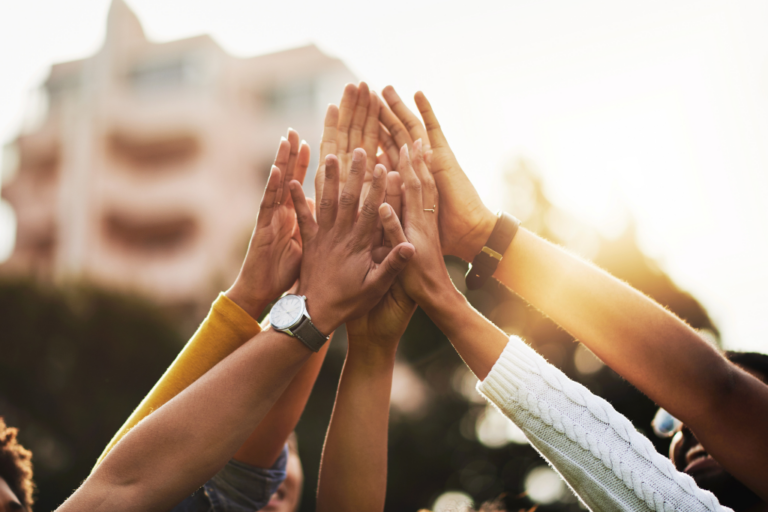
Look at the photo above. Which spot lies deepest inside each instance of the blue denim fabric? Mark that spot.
(238, 487)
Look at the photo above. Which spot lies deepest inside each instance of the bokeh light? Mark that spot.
(453, 501)
(544, 486)
(585, 361)
(495, 430)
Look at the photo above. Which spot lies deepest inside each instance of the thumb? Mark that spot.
(393, 264)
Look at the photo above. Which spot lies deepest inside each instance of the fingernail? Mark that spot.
(377, 171)
(385, 211)
(282, 139)
(406, 252)
(358, 155)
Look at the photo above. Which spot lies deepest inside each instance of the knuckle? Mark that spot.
(325, 204)
(347, 199)
(368, 211)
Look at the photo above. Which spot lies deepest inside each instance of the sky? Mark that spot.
(653, 110)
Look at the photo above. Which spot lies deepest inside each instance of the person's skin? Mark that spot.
(202, 427)
(724, 406)
(8, 500)
(353, 470)
(271, 267)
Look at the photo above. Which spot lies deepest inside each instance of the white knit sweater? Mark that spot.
(608, 464)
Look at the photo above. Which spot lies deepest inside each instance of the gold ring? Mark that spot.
(431, 210)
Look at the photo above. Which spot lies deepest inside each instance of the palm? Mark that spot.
(386, 322)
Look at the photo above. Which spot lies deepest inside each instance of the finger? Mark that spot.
(370, 141)
(391, 223)
(434, 132)
(383, 159)
(394, 193)
(384, 275)
(350, 196)
(388, 145)
(410, 121)
(329, 201)
(346, 113)
(412, 185)
(269, 199)
(428, 189)
(369, 213)
(307, 225)
(359, 117)
(394, 126)
(289, 171)
(300, 171)
(328, 145)
(302, 162)
(281, 162)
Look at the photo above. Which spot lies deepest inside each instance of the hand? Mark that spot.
(425, 279)
(354, 124)
(338, 275)
(384, 325)
(272, 262)
(465, 222)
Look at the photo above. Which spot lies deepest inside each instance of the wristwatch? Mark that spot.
(487, 260)
(289, 315)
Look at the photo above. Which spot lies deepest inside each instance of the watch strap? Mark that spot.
(309, 335)
(487, 260)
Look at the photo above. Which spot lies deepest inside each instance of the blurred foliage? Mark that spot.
(77, 360)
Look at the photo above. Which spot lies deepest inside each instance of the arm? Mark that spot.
(607, 463)
(231, 321)
(203, 426)
(353, 471)
(725, 407)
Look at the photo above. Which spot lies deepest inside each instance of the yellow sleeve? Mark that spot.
(222, 332)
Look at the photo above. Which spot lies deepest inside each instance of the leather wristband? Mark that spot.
(309, 335)
(487, 260)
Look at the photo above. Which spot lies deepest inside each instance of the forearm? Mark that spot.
(199, 430)
(651, 348)
(640, 340)
(353, 472)
(263, 446)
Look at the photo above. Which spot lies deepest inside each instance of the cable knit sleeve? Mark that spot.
(597, 451)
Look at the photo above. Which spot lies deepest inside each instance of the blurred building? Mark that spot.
(146, 172)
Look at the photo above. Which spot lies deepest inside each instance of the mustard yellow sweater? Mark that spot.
(222, 332)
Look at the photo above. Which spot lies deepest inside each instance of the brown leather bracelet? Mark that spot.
(487, 260)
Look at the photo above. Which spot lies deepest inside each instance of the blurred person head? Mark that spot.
(288, 495)
(16, 485)
(689, 456)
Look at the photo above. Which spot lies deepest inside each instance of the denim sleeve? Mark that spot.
(239, 487)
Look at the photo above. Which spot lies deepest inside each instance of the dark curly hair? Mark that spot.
(16, 465)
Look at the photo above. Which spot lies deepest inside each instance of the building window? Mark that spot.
(151, 154)
(292, 97)
(150, 236)
(164, 75)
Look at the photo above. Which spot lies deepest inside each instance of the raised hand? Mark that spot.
(271, 265)
(338, 274)
(426, 277)
(384, 325)
(354, 124)
(465, 222)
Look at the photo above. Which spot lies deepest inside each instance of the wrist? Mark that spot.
(254, 306)
(475, 240)
(322, 316)
(365, 351)
(445, 307)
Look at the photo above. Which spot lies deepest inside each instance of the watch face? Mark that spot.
(286, 312)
